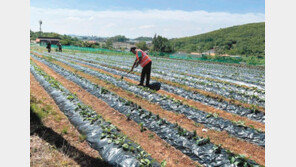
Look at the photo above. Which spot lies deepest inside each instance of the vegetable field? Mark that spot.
(205, 114)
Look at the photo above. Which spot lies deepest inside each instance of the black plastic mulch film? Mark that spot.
(94, 127)
(217, 88)
(218, 71)
(223, 105)
(197, 148)
(216, 123)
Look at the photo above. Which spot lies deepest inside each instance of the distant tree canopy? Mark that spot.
(108, 44)
(118, 38)
(248, 39)
(142, 45)
(161, 44)
(144, 39)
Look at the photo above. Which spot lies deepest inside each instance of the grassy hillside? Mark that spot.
(248, 39)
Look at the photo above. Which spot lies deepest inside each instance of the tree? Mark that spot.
(109, 44)
(161, 44)
(248, 39)
(142, 45)
(143, 39)
(118, 38)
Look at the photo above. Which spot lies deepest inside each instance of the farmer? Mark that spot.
(48, 46)
(59, 46)
(143, 59)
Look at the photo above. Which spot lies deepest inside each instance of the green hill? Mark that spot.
(248, 39)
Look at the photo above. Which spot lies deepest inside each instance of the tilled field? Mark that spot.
(204, 115)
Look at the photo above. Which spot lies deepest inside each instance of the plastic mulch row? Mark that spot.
(92, 126)
(197, 148)
(223, 105)
(198, 116)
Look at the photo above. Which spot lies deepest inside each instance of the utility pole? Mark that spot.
(40, 23)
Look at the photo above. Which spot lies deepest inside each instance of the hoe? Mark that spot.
(154, 86)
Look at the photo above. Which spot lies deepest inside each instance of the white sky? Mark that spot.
(135, 23)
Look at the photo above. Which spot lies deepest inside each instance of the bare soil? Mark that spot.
(158, 148)
(198, 105)
(206, 93)
(54, 131)
(237, 146)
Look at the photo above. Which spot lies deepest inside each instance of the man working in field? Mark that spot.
(48, 46)
(142, 59)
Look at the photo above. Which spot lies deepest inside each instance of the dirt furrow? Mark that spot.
(59, 123)
(206, 93)
(158, 148)
(192, 103)
(252, 151)
(201, 106)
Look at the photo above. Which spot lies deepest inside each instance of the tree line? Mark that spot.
(248, 39)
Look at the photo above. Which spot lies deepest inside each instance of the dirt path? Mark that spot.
(54, 129)
(158, 148)
(252, 151)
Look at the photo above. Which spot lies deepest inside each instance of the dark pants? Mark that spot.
(146, 71)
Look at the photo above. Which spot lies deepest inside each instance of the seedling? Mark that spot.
(157, 116)
(239, 160)
(163, 163)
(104, 91)
(128, 116)
(194, 134)
(65, 130)
(151, 136)
(160, 122)
(217, 149)
(125, 146)
(240, 123)
(196, 124)
(142, 127)
(128, 103)
(145, 162)
(131, 149)
(202, 141)
(141, 112)
(176, 124)
(215, 115)
(82, 138)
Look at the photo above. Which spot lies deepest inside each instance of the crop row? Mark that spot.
(248, 95)
(198, 116)
(112, 145)
(200, 73)
(251, 76)
(160, 69)
(198, 148)
(223, 105)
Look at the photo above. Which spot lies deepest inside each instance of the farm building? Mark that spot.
(124, 45)
(92, 42)
(44, 40)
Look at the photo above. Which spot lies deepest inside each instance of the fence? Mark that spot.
(88, 49)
